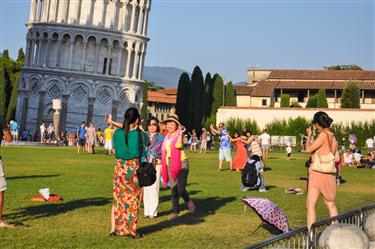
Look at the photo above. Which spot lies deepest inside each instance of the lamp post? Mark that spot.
(56, 106)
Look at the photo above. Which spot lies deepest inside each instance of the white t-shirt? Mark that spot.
(370, 143)
(265, 138)
(348, 158)
(289, 149)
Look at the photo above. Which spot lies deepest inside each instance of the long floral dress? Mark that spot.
(240, 158)
(127, 196)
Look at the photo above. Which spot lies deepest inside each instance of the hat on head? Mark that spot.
(172, 117)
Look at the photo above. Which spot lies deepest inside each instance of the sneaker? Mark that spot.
(191, 206)
(244, 189)
(263, 190)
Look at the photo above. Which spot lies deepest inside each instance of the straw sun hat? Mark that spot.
(172, 117)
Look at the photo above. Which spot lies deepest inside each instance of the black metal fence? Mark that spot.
(301, 238)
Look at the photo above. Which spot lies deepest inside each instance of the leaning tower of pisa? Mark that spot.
(88, 53)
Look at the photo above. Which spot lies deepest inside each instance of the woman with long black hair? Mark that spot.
(127, 194)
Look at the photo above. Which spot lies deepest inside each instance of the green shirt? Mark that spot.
(130, 151)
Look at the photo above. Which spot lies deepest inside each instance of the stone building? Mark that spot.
(162, 103)
(265, 87)
(88, 53)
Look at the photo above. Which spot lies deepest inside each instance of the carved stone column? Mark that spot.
(84, 56)
(90, 109)
(56, 10)
(40, 117)
(71, 53)
(27, 54)
(38, 51)
(32, 57)
(119, 61)
(33, 9)
(118, 6)
(135, 61)
(64, 111)
(96, 56)
(24, 98)
(107, 72)
(104, 15)
(49, 41)
(129, 48)
(115, 104)
(141, 8)
(91, 14)
(145, 21)
(59, 45)
(79, 11)
(124, 16)
(142, 62)
(134, 5)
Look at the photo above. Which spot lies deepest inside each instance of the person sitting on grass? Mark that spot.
(347, 158)
(252, 175)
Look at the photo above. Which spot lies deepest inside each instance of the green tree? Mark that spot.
(312, 102)
(207, 98)
(343, 67)
(230, 96)
(285, 100)
(196, 100)
(183, 96)
(295, 105)
(2, 86)
(321, 99)
(350, 97)
(217, 98)
(21, 55)
(144, 109)
(6, 54)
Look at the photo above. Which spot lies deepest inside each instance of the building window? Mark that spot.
(162, 117)
(105, 66)
(264, 102)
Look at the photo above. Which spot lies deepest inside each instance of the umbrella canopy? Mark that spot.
(268, 212)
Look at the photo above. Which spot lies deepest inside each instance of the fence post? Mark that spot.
(361, 216)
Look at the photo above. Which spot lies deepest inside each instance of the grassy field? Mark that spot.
(82, 220)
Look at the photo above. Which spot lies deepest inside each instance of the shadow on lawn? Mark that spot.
(205, 207)
(31, 176)
(52, 209)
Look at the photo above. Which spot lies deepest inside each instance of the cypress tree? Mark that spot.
(312, 102)
(285, 100)
(2, 87)
(6, 54)
(207, 98)
(16, 78)
(196, 100)
(144, 109)
(230, 96)
(321, 99)
(183, 96)
(350, 97)
(217, 97)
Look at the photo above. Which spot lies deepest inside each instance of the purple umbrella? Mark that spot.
(352, 138)
(268, 212)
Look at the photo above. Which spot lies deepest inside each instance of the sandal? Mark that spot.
(173, 217)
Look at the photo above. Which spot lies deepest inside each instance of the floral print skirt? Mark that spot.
(127, 196)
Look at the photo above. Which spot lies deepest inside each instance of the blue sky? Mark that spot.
(228, 36)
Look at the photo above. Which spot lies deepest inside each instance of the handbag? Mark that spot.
(146, 172)
(325, 163)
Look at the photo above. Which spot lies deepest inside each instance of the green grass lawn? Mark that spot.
(82, 220)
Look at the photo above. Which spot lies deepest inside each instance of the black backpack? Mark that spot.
(146, 172)
(250, 175)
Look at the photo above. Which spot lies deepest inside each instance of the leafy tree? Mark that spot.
(207, 98)
(2, 86)
(350, 97)
(144, 109)
(154, 87)
(295, 105)
(217, 97)
(6, 54)
(321, 99)
(312, 102)
(196, 100)
(285, 100)
(230, 96)
(343, 67)
(183, 96)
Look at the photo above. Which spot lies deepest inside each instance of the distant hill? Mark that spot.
(166, 77)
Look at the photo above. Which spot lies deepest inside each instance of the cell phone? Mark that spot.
(107, 116)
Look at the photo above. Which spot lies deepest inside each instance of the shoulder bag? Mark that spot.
(325, 163)
(146, 172)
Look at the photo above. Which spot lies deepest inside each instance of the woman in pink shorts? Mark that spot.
(321, 183)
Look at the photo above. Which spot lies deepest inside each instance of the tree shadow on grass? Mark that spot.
(205, 207)
(30, 176)
(57, 208)
(168, 197)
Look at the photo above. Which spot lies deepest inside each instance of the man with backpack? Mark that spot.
(252, 175)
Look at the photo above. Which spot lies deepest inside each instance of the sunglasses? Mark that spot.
(153, 124)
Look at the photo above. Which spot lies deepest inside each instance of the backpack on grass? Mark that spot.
(250, 175)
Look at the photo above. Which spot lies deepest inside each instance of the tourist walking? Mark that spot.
(224, 151)
(42, 129)
(81, 136)
(194, 141)
(127, 194)
(153, 155)
(265, 141)
(203, 147)
(175, 165)
(91, 138)
(4, 132)
(321, 183)
(108, 134)
(240, 159)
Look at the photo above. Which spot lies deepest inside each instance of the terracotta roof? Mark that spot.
(323, 74)
(264, 88)
(160, 97)
(171, 91)
(243, 90)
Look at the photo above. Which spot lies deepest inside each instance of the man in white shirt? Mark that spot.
(369, 143)
(265, 139)
(42, 130)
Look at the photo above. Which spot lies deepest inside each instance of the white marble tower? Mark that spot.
(88, 53)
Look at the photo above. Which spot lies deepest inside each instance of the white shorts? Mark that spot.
(3, 182)
(14, 133)
(224, 154)
(265, 146)
(108, 145)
